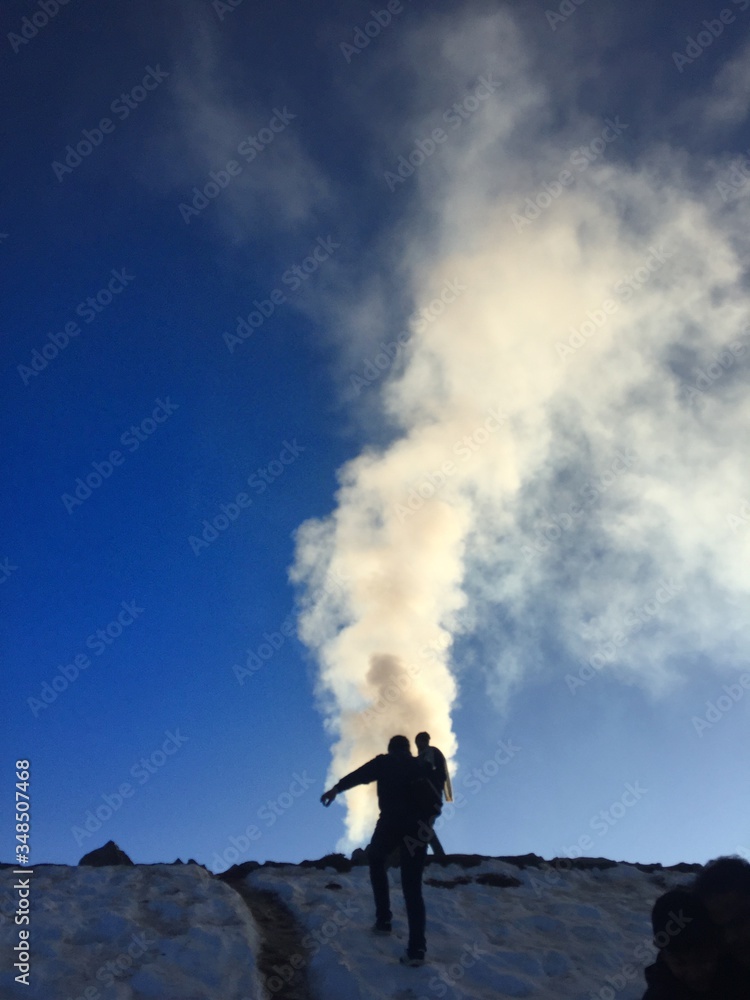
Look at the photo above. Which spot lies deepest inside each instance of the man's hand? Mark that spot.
(327, 797)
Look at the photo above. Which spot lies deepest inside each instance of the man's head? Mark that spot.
(724, 886)
(686, 938)
(422, 740)
(399, 744)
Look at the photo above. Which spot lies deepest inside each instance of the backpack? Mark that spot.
(427, 799)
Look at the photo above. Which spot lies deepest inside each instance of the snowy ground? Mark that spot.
(175, 932)
(151, 932)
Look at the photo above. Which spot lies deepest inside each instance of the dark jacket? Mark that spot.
(732, 983)
(435, 759)
(400, 778)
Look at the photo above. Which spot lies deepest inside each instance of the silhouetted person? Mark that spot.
(689, 965)
(440, 782)
(724, 886)
(401, 783)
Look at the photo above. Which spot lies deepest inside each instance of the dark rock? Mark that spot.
(583, 864)
(339, 862)
(497, 879)
(237, 872)
(110, 854)
(681, 866)
(525, 861)
(439, 883)
(465, 860)
(359, 856)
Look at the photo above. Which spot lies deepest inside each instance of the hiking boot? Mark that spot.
(412, 958)
(382, 927)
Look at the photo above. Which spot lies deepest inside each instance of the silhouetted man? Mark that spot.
(401, 798)
(440, 782)
(724, 886)
(688, 948)
(689, 964)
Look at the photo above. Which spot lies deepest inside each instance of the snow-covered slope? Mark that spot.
(175, 932)
(172, 932)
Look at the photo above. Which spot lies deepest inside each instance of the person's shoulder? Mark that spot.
(375, 763)
(423, 768)
(734, 979)
(382, 762)
(662, 984)
(657, 986)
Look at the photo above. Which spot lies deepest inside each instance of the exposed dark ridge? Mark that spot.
(462, 860)
(583, 864)
(282, 958)
(342, 864)
(441, 883)
(339, 862)
(498, 880)
(681, 866)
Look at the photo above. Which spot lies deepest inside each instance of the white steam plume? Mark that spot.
(560, 378)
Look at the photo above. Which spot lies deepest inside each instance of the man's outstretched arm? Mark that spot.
(362, 776)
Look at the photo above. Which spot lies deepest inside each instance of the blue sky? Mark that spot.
(370, 373)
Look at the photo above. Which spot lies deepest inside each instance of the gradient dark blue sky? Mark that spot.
(282, 401)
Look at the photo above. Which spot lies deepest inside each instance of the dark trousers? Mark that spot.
(388, 835)
(437, 848)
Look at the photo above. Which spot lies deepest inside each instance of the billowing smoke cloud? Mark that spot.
(569, 414)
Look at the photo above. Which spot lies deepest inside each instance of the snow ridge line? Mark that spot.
(283, 959)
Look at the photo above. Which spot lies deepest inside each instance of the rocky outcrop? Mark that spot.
(110, 854)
